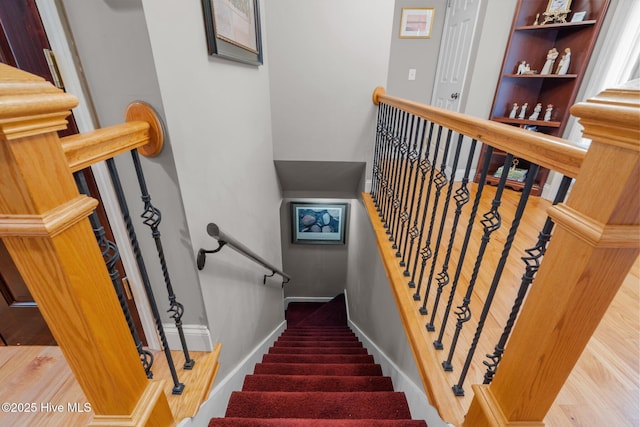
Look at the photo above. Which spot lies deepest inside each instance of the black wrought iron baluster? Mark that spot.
(424, 165)
(415, 156)
(491, 221)
(458, 389)
(392, 144)
(111, 256)
(465, 244)
(532, 263)
(376, 154)
(152, 218)
(427, 199)
(407, 167)
(425, 252)
(443, 219)
(178, 387)
(440, 180)
(382, 150)
(397, 175)
(462, 198)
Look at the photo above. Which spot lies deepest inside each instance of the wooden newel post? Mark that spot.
(595, 243)
(43, 223)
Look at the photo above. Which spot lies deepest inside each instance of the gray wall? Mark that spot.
(419, 54)
(326, 57)
(115, 52)
(219, 120)
(316, 270)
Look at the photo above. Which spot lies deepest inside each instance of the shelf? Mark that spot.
(513, 184)
(556, 26)
(549, 124)
(540, 76)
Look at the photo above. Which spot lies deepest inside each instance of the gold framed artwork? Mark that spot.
(416, 23)
(558, 6)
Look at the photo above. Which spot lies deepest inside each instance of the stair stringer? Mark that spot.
(416, 398)
(216, 404)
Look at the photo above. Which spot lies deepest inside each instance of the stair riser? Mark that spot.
(320, 358)
(317, 350)
(317, 344)
(317, 369)
(316, 383)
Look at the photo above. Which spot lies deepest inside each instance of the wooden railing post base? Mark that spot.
(486, 412)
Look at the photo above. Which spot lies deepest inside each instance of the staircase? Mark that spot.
(317, 374)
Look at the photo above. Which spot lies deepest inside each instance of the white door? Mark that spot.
(455, 52)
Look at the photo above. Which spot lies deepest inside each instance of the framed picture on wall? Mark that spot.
(319, 223)
(233, 30)
(416, 23)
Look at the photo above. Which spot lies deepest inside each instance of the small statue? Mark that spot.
(563, 65)
(537, 21)
(536, 111)
(523, 111)
(514, 111)
(547, 113)
(522, 68)
(551, 58)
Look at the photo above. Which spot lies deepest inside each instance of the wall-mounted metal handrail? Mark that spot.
(224, 239)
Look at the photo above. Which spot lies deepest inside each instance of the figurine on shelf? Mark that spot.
(537, 21)
(547, 113)
(522, 68)
(523, 111)
(563, 65)
(551, 58)
(536, 111)
(514, 111)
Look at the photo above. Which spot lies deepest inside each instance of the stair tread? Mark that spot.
(318, 369)
(317, 358)
(318, 404)
(338, 383)
(316, 343)
(304, 422)
(317, 350)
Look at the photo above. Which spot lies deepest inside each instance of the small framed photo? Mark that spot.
(233, 30)
(319, 223)
(555, 6)
(416, 23)
(578, 16)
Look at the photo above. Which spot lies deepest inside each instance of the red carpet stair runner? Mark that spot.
(317, 374)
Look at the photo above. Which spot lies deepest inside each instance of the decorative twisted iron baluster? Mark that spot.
(458, 390)
(427, 199)
(392, 145)
(403, 216)
(491, 222)
(436, 178)
(424, 165)
(375, 174)
(414, 157)
(152, 218)
(440, 180)
(178, 387)
(382, 162)
(400, 151)
(462, 198)
(443, 219)
(463, 251)
(532, 263)
(111, 256)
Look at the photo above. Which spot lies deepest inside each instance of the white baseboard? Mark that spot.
(416, 398)
(216, 404)
(198, 337)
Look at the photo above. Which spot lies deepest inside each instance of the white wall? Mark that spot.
(326, 57)
(218, 117)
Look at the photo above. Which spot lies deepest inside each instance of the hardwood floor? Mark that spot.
(40, 389)
(603, 389)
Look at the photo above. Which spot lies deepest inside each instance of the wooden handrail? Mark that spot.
(143, 131)
(44, 225)
(548, 151)
(593, 248)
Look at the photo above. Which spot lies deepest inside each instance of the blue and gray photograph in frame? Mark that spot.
(321, 223)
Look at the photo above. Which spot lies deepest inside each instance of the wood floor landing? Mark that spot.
(36, 383)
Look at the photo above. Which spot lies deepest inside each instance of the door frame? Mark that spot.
(57, 31)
